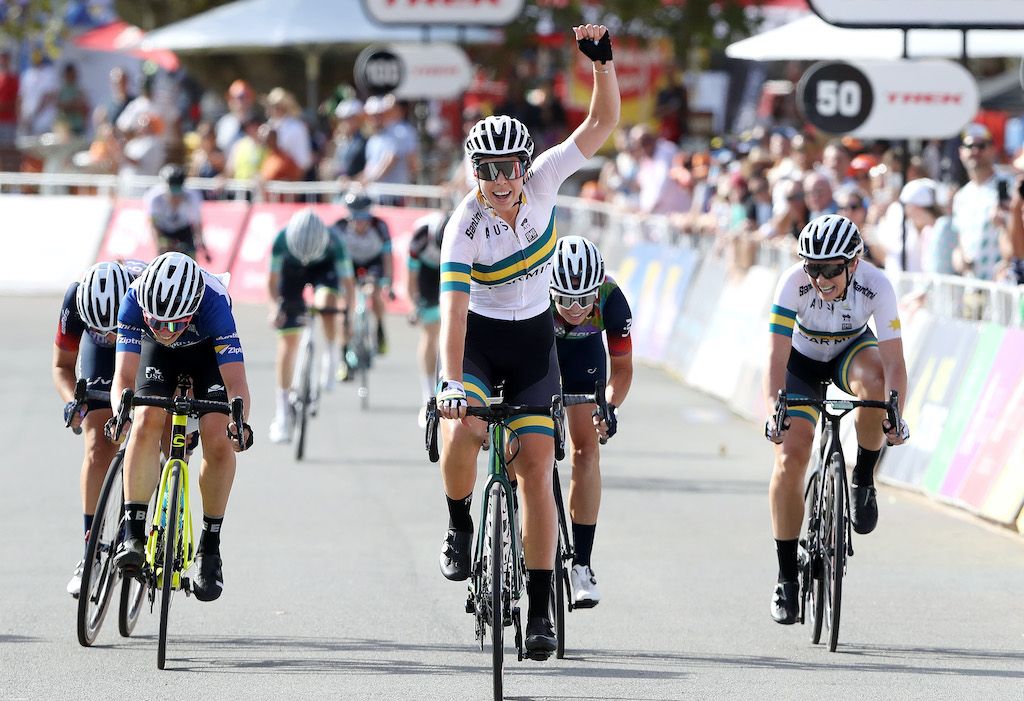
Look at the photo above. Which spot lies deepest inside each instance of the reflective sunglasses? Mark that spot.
(975, 145)
(825, 270)
(510, 169)
(169, 326)
(583, 301)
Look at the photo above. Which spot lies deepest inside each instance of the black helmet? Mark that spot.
(174, 175)
(358, 205)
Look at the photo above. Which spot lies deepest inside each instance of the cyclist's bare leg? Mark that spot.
(786, 490)
(142, 455)
(585, 487)
(533, 470)
(217, 472)
(867, 380)
(326, 297)
(98, 454)
(460, 446)
(287, 346)
(426, 356)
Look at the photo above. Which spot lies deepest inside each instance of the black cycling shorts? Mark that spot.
(373, 268)
(160, 367)
(805, 375)
(583, 362)
(96, 367)
(181, 240)
(521, 356)
(294, 278)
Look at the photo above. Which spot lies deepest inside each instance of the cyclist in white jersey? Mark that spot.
(819, 330)
(496, 324)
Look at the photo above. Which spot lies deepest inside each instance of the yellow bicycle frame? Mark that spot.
(179, 439)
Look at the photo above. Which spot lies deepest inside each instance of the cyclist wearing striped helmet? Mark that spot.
(819, 330)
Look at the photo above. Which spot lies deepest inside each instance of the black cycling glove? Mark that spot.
(612, 420)
(70, 408)
(246, 441)
(597, 50)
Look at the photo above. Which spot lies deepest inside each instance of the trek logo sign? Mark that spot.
(421, 12)
(949, 14)
(902, 99)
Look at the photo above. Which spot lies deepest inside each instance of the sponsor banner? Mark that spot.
(934, 382)
(62, 233)
(681, 264)
(940, 470)
(996, 421)
(1006, 498)
(251, 267)
(128, 235)
(699, 308)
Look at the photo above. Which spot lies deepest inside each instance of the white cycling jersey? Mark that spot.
(507, 271)
(169, 216)
(822, 330)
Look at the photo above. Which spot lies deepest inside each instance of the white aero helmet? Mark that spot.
(99, 295)
(578, 267)
(172, 287)
(499, 136)
(830, 236)
(306, 236)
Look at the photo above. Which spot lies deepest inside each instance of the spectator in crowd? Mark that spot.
(385, 162)
(936, 236)
(672, 107)
(759, 205)
(72, 104)
(818, 195)
(852, 203)
(206, 159)
(789, 216)
(291, 132)
(38, 90)
(120, 96)
(247, 153)
(835, 164)
(406, 138)
(657, 193)
(241, 108)
(552, 122)
(9, 83)
(976, 207)
(345, 155)
(145, 149)
(278, 163)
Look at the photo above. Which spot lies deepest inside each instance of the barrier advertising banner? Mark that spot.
(38, 226)
(1006, 498)
(698, 310)
(971, 384)
(679, 271)
(128, 235)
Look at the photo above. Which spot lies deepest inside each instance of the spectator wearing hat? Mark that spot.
(936, 239)
(385, 160)
(345, 155)
(241, 107)
(976, 207)
(292, 135)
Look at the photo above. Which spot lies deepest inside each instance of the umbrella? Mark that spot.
(810, 38)
(125, 38)
(307, 25)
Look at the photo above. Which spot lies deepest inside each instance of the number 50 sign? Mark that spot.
(888, 99)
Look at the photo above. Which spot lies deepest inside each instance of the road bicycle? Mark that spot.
(305, 392)
(561, 599)
(826, 543)
(169, 548)
(362, 343)
(498, 574)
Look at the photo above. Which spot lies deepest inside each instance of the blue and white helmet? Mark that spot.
(172, 287)
(830, 236)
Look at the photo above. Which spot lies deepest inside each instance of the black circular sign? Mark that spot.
(835, 97)
(378, 71)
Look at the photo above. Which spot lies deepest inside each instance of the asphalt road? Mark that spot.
(333, 589)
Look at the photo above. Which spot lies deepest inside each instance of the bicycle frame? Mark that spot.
(176, 461)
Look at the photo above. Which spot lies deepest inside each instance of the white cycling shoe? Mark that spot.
(75, 583)
(585, 593)
(281, 430)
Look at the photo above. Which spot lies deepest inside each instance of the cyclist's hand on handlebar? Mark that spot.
(451, 400)
(897, 435)
(606, 426)
(773, 432)
(108, 430)
(246, 441)
(73, 415)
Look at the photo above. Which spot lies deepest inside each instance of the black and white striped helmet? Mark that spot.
(99, 295)
(306, 236)
(578, 267)
(499, 136)
(830, 236)
(172, 287)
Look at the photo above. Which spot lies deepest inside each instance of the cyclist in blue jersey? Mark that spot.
(86, 332)
(496, 323)
(424, 289)
(176, 320)
(584, 303)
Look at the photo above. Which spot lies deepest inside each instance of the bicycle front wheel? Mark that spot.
(837, 546)
(171, 546)
(302, 410)
(811, 573)
(558, 602)
(99, 574)
(496, 561)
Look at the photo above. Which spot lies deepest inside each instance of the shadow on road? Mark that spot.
(666, 484)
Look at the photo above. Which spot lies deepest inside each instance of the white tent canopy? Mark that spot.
(307, 25)
(811, 38)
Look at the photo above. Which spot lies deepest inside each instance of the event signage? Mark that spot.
(939, 14)
(423, 12)
(900, 99)
(414, 71)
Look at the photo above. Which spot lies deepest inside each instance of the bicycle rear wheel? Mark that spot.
(496, 507)
(171, 547)
(302, 410)
(837, 546)
(99, 575)
(811, 573)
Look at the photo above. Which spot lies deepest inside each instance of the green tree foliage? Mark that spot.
(31, 19)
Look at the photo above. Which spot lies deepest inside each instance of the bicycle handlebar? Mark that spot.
(892, 406)
(181, 406)
(82, 396)
(598, 397)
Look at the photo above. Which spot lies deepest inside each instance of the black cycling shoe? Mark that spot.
(786, 603)
(130, 557)
(540, 639)
(455, 555)
(864, 509)
(209, 582)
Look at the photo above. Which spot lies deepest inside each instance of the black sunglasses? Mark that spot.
(976, 145)
(491, 169)
(825, 270)
(851, 205)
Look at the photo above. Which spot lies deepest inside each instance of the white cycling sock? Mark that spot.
(283, 405)
(427, 386)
